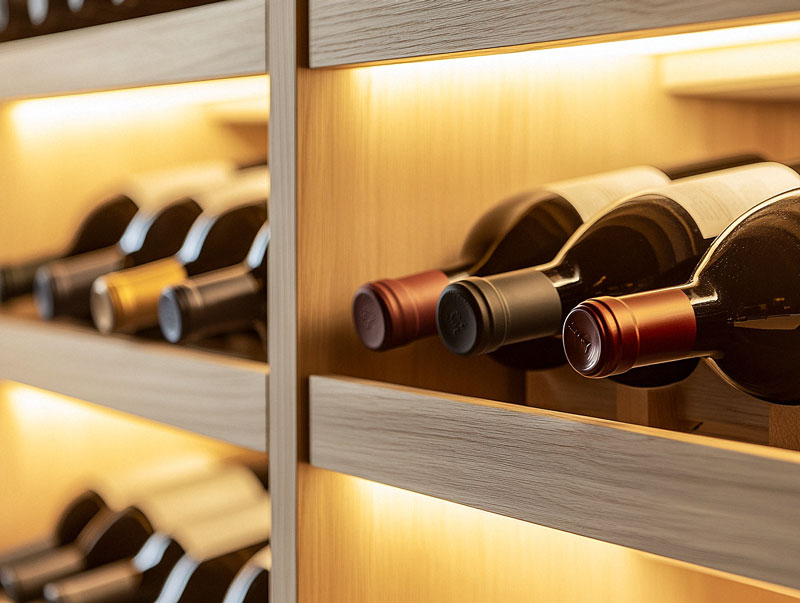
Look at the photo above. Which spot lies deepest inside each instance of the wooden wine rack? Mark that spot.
(378, 167)
(383, 169)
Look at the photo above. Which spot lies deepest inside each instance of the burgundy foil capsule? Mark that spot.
(610, 335)
(393, 312)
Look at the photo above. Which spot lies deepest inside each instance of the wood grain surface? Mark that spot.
(222, 39)
(205, 393)
(368, 30)
(394, 164)
(731, 508)
(285, 418)
(375, 543)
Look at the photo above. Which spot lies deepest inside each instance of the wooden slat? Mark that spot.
(204, 393)
(360, 31)
(726, 506)
(282, 293)
(222, 39)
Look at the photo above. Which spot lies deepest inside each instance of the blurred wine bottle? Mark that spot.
(102, 227)
(251, 584)
(127, 300)
(113, 491)
(215, 554)
(115, 535)
(143, 578)
(228, 300)
(167, 209)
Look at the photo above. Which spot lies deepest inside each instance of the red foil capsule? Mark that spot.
(610, 335)
(392, 312)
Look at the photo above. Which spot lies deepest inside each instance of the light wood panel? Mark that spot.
(205, 393)
(285, 414)
(366, 542)
(368, 30)
(396, 162)
(726, 508)
(222, 39)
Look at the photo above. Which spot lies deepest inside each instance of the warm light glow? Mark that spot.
(36, 412)
(119, 105)
(577, 54)
(522, 558)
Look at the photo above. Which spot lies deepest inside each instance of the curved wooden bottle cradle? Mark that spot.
(724, 505)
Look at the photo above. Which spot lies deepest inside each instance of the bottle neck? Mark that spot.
(227, 300)
(480, 315)
(610, 335)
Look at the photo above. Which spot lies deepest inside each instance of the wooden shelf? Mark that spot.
(222, 39)
(723, 505)
(202, 392)
(364, 31)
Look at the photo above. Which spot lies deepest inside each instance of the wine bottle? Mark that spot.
(113, 492)
(51, 16)
(525, 230)
(223, 301)
(102, 227)
(109, 536)
(114, 535)
(115, 10)
(649, 240)
(740, 310)
(251, 584)
(215, 554)
(127, 300)
(78, 512)
(167, 209)
(14, 20)
(142, 577)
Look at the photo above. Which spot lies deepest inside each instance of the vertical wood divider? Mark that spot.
(282, 298)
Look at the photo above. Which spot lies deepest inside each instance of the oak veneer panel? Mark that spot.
(395, 162)
(365, 542)
(345, 32)
(203, 393)
(732, 507)
(222, 39)
(285, 420)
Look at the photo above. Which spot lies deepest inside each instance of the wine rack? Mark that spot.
(385, 164)
(412, 473)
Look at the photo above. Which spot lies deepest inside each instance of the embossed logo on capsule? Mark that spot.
(366, 314)
(584, 342)
(455, 322)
